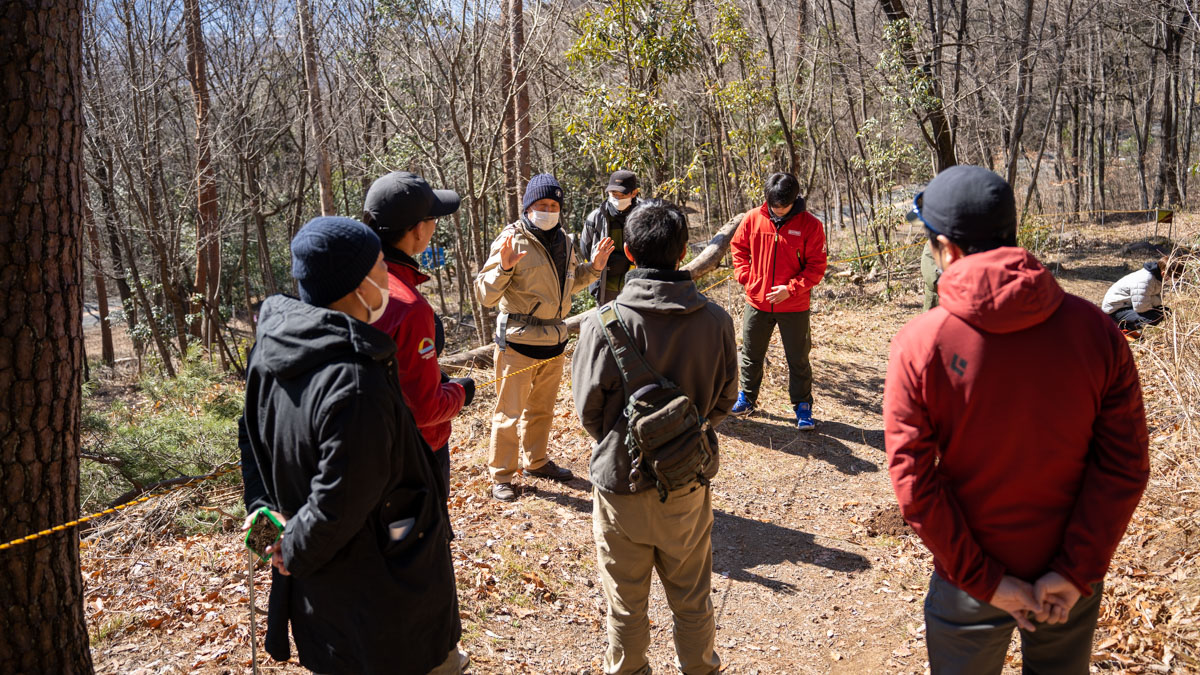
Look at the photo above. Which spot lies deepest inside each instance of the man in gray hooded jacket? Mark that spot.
(669, 321)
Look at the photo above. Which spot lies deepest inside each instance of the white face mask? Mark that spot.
(620, 204)
(373, 315)
(543, 220)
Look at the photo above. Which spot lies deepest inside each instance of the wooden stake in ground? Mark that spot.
(251, 558)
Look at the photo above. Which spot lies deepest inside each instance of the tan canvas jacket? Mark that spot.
(531, 288)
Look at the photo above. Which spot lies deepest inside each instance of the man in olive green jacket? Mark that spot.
(530, 275)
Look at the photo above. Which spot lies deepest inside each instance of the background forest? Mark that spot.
(215, 129)
(162, 154)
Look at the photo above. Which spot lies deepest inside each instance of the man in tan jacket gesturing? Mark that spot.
(531, 274)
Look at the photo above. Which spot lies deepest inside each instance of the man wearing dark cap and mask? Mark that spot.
(608, 220)
(363, 570)
(403, 210)
(1016, 440)
(530, 276)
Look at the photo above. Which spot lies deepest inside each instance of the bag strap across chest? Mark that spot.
(636, 373)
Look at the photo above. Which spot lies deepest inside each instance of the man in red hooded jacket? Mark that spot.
(403, 210)
(778, 256)
(1016, 440)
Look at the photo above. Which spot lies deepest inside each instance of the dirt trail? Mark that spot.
(798, 585)
(812, 571)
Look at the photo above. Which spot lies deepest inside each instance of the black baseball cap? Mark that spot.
(398, 201)
(968, 204)
(622, 181)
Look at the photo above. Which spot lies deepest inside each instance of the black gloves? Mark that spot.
(468, 386)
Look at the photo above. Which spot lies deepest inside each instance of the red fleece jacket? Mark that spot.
(1015, 432)
(766, 256)
(408, 318)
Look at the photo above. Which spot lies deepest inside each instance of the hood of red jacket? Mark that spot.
(1000, 291)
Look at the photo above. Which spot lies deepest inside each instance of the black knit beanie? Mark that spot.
(331, 256)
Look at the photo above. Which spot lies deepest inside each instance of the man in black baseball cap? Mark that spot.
(1016, 441)
(971, 206)
(608, 220)
(403, 210)
(399, 201)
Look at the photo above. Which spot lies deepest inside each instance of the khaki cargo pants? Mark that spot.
(524, 413)
(636, 534)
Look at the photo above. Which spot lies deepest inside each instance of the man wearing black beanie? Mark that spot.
(530, 275)
(329, 445)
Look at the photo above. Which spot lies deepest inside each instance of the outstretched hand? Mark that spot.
(1017, 598)
(509, 256)
(603, 250)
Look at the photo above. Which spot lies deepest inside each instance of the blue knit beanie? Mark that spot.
(331, 256)
(541, 186)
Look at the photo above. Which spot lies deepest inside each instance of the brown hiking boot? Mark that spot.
(504, 492)
(552, 471)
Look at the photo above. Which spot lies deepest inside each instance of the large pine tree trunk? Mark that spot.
(42, 627)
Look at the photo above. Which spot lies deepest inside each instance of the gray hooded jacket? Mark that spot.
(685, 337)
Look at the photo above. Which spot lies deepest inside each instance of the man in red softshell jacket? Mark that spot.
(403, 210)
(1016, 440)
(778, 256)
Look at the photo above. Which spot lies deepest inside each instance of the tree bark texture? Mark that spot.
(516, 19)
(42, 626)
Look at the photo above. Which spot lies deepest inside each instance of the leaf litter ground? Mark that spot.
(813, 570)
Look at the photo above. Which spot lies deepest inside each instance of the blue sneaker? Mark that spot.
(744, 406)
(804, 420)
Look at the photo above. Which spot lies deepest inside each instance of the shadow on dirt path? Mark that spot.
(742, 544)
(825, 442)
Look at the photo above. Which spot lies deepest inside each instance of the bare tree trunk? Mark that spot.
(107, 353)
(254, 190)
(42, 626)
(783, 120)
(1167, 183)
(508, 142)
(1142, 131)
(316, 109)
(1024, 84)
(128, 304)
(941, 135)
(516, 19)
(208, 241)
